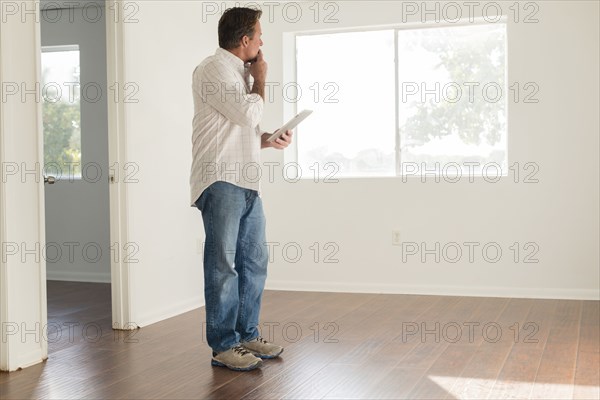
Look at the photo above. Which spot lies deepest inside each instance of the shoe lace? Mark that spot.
(261, 340)
(240, 350)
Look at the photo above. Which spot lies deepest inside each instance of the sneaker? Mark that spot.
(263, 349)
(237, 358)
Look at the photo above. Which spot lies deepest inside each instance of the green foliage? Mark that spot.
(62, 135)
(480, 61)
(62, 127)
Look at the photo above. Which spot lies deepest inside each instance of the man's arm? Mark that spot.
(223, 91)
(258, 87)
(258, 70)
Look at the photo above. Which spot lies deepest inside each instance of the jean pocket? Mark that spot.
(200, 202)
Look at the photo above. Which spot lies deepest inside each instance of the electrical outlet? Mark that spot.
(396, 239)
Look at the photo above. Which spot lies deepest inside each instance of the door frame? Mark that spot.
(119, 268)
(30, 51)
(122, 313)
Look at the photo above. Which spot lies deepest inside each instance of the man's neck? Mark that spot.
(238, 53)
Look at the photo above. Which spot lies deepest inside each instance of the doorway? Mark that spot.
(76, 164)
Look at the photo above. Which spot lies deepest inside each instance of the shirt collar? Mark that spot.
(232, 59)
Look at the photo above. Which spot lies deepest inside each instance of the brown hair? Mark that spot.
(235, 23)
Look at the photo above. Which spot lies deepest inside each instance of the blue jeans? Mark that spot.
(235, 263)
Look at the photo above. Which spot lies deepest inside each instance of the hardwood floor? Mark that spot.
(338, 346)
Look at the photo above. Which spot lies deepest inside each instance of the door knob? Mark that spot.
(49, 180)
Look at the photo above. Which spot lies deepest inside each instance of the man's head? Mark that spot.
(240, 30)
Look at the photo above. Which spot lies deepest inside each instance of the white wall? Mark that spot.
(160, 54)
(560, 213)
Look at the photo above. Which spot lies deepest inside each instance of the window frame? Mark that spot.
(65, 48)
(289, 39)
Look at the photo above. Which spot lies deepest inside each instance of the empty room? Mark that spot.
(299, 199)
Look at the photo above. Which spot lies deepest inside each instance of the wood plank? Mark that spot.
(587, 369)
(477, 377)
(423, 352)
(556, 374)
(371, 355)
(516, 375)
(444, 373)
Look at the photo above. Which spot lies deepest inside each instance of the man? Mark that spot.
(226, 140)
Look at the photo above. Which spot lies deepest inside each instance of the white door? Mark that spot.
(75, 119)
(22, 270)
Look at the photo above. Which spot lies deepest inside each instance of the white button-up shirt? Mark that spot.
(226, 135)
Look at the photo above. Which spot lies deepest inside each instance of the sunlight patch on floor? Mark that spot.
(475, 388)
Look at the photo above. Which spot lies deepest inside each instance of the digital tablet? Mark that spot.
(291, 124)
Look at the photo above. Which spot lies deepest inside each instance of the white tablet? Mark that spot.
(291, 124)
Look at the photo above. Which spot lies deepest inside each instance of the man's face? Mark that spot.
(254, 43)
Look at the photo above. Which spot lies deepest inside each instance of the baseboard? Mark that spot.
(351, 287)
(170, 311)
(78, 276)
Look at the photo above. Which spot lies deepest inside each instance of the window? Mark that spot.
(61, 110)
(353, 123)
(389, 101)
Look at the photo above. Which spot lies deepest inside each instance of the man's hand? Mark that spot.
(258, 70)
(280, 143)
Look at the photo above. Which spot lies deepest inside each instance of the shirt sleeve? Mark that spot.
(260, 131)
(222, 90)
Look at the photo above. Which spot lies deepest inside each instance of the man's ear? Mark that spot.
(245, 41)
